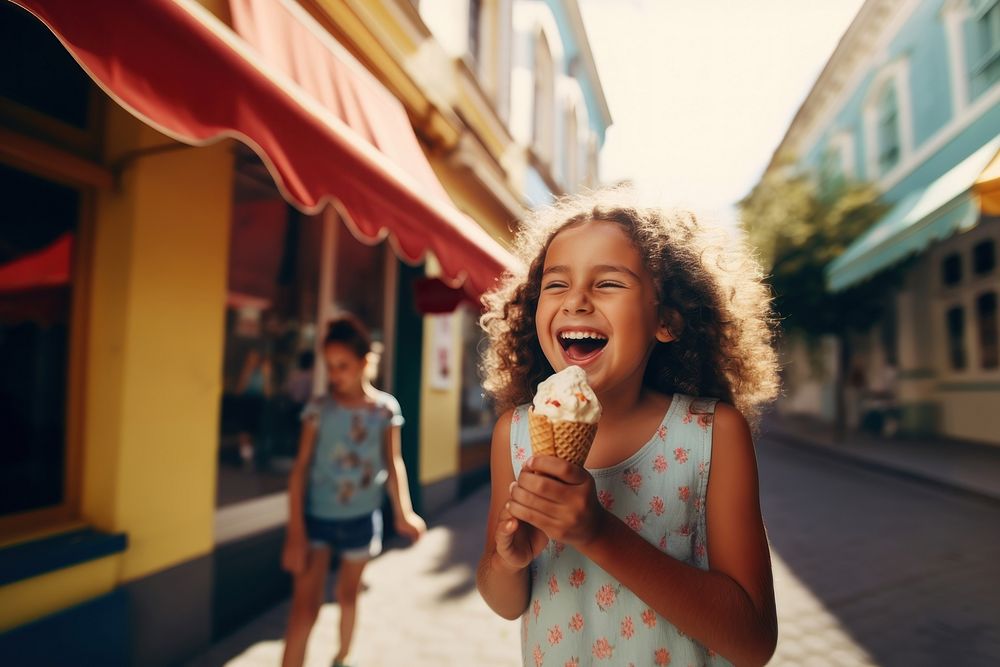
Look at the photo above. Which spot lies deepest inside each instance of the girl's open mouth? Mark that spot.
(582, 346)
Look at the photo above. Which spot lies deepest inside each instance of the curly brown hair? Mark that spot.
(722, 323)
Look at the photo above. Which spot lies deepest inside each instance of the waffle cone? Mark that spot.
(573, 440)
(542, 438)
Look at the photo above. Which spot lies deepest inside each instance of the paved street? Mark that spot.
(875, 569)
(869, 569)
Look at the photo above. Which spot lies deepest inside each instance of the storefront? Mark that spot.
(180, 221)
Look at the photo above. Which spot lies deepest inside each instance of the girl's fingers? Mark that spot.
(530, 515)
(566, 472)
(533, 500)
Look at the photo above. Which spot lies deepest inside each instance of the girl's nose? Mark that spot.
(576, 302)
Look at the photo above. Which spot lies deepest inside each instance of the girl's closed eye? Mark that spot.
(609, 283)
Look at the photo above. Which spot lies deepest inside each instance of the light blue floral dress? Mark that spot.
(348, 469)
(580, 615)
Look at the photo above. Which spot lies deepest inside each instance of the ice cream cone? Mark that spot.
(542, 438)
(573, 440)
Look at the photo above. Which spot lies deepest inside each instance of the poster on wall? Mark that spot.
(443, 369)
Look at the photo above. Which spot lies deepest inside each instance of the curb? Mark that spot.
(802, 443)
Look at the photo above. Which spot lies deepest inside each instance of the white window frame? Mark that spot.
(954, 14)
(570, 148)
(894, 74)
(543, 122)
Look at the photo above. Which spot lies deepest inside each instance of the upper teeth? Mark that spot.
(579, 335)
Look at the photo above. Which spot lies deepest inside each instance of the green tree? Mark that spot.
(798, 230)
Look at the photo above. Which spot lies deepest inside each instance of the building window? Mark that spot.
(477, 417)
(887, 129)
(987, 31)
(593, 177)
(542, 130)
(984, 257)
(284, 271)
(986, 316)
(888, 120)
(36, 72)
(955, 322)
(38, 238)
(475, 28)
(951, 270)
(570, 150)
(831, 175)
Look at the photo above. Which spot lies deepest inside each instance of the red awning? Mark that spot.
(48, 267)
(176, 67)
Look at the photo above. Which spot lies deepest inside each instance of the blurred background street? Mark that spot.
(192, 189)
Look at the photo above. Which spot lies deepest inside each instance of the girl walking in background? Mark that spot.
(654, 552)
(348, 451)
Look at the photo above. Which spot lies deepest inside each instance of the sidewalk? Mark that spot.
(964, 466)
(419, 607)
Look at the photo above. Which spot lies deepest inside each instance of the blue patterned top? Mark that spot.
(348, 470)
(580, 615)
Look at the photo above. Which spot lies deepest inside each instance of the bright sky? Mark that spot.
(702, 91)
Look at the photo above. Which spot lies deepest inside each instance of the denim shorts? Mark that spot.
(354, 539)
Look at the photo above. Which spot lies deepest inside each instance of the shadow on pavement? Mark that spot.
(874, 569)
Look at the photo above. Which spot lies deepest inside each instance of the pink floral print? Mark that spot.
(602, 649)
(606, 498)
(606, 596)
(662, 497)
(633, 479)
(628, 628)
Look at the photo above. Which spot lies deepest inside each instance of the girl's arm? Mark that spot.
(511, 545)
(293, 556)
(408, 523)
(728, 608)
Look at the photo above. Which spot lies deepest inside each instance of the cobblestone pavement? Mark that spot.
(869, 569)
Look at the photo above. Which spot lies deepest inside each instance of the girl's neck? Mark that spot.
(356, 396)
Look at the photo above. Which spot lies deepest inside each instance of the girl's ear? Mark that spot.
(670, 322)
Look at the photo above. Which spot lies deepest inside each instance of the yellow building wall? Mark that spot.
(971, 415)
(155, 349)
(27, 600)
(154, 327)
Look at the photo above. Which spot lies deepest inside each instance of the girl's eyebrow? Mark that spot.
(600, 268)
